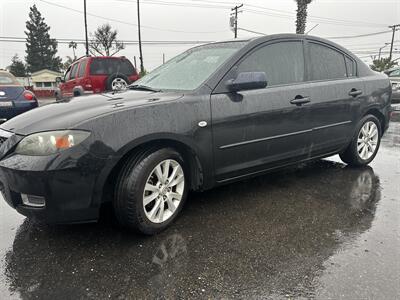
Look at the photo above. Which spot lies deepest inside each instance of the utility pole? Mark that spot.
(86, 34)
(235, 16)
(140, 40)
(394, 28)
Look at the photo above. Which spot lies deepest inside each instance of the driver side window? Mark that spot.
(282, 62)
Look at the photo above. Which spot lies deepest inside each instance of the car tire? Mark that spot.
(77, 93)
(143, 201)
(57, 96)
(365, 143)
(113, 80)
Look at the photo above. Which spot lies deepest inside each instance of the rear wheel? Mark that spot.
(365, 144)
(151, 190)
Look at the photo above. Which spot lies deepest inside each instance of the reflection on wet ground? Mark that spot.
(319, 230)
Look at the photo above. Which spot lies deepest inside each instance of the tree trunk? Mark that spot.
(301, 16)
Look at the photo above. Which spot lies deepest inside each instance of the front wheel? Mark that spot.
(151, 190)
(365, 143)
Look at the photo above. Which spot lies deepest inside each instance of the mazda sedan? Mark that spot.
(214, 114)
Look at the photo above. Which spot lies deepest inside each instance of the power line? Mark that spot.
(358, 36)
(289, 16)
(126, 42)
(320, 19)
(123, 22)
(183, 4)
(252, 31)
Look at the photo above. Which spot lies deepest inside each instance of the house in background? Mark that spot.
(44, 83)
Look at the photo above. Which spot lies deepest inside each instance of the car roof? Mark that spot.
(265, 38)
(9, 74)
(6, 72)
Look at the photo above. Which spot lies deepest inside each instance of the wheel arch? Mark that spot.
(77, 91)
(152, 143)
(378, 114)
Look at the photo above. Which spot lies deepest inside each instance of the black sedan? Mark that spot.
(215, 114)
(14, 98)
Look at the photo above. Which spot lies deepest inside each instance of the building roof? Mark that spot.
(46, 71)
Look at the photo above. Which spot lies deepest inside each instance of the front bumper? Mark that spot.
(66, 182)
(67, 194)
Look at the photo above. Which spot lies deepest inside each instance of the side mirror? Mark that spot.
(247, 81)
(59, 79)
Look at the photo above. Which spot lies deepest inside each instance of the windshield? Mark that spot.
(190, 69)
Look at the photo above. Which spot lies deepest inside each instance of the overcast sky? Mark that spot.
(200, 20)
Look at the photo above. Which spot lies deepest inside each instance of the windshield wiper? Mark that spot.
(143, 88)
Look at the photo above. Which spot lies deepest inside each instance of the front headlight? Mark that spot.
(50, 142)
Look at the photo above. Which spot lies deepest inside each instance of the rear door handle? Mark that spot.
(300, 100)
(355, 92)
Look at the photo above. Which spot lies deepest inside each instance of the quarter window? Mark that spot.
(282, 62)
(326, 63)
(351, 67)
(82, 68)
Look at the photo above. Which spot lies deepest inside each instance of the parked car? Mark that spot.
(394, 76)
(14, 98)
(215, 114)
(93, 75)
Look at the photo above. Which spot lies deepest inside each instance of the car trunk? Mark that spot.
(8, 93)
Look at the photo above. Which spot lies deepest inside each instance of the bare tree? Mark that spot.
(104, 41)
(301, 19)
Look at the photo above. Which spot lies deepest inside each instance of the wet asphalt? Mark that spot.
(320, 230)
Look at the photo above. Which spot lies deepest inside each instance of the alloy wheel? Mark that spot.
(163, 191)
(367, 140)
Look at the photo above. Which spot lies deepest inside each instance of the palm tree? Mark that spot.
(301, 19)
(73, 45)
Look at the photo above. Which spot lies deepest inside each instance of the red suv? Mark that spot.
(90, 75)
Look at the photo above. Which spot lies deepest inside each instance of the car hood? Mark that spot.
(69, 114)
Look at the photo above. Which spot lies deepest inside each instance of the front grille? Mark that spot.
(2, 140)
(4, 136)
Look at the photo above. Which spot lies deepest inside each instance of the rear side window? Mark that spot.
(82, 68)
(282, 62)
(74, 71)
(351, 67)
(326, 63)
(108, 66)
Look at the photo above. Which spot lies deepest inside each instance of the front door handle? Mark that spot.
(355, 92)
(300, 100)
